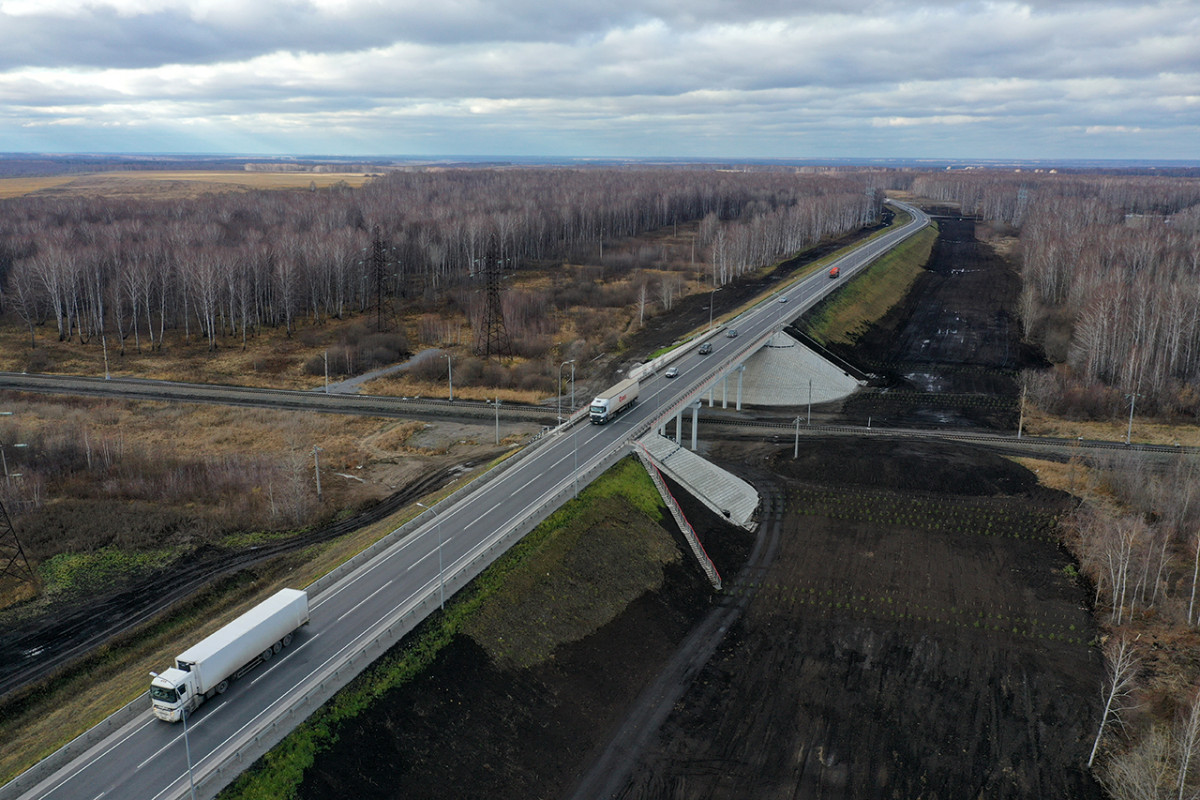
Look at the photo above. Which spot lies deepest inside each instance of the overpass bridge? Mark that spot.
(369, 603)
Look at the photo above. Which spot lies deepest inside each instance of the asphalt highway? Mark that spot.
(146, 758)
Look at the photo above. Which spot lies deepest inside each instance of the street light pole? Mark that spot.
(441, 574)
(1133, 396)
(450, 376)
(187, 746)
(796, 449)
(558, 388)
(497, 419)
(809, 402)
(711, 298)
(317, 469)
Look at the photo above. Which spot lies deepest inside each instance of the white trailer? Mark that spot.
(614, 401)
(205, 669)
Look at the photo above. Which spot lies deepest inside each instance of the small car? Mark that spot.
(731, 333)
(673, 372)
(783, 299)
(705, 348)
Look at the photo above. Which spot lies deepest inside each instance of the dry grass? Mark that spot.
(182, 429)
(18, 187)
(1039, 423)
(173, 183)
(405, 386)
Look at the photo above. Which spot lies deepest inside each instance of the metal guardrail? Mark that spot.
(385, 634)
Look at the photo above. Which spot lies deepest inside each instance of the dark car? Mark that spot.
(731, 333)
(705, 348)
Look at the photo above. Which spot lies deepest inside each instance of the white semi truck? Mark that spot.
(614, 401)
(206, 669)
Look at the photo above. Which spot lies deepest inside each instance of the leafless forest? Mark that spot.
(1111, 267)
(222, 267)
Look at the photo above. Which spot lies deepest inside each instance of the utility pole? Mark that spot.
(796, 449)
(558, 388)
(1021, 418)
(317, 469)
(809, 402)
(450, 376)
(497, 419)
(1133, 396)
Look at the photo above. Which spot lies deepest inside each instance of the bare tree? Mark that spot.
(1123, 664)
(1186, 740)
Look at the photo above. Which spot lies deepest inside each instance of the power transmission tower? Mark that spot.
(381, 261)
(12, 555)
(494, 339)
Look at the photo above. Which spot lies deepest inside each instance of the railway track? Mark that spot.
(1026, 443)
(286, 399)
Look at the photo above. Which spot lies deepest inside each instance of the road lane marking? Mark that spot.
(99, 756)
(365, 599)
(280, 661)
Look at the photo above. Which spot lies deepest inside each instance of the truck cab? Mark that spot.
(172, 693)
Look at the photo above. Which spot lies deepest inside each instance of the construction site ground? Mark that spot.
(913, 630)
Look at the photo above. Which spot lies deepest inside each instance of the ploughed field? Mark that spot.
(917, 635)
(950, 352)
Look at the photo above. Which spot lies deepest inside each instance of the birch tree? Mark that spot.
(1123, 664)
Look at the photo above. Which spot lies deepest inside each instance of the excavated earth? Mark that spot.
(912, 629)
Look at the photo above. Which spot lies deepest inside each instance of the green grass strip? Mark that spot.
(868, 296)
(279, 773)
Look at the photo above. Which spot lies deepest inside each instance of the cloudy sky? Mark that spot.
(692, 78)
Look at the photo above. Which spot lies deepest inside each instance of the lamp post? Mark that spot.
(187, 746)
(1133, 396)
(558, 386)
(450, 376)
(317, 469)
(497, 419)
(441, 575)
(711, 298)
(575, 446)
(796, 448)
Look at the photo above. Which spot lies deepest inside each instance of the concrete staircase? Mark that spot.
(726, 494)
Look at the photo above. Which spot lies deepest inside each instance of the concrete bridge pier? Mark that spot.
(695, 423)
(741, 369)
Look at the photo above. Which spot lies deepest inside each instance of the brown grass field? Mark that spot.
(173, 183)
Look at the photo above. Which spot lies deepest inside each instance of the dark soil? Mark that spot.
(468, 728)
(950, 352)
(918, 633)
(917, 636)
